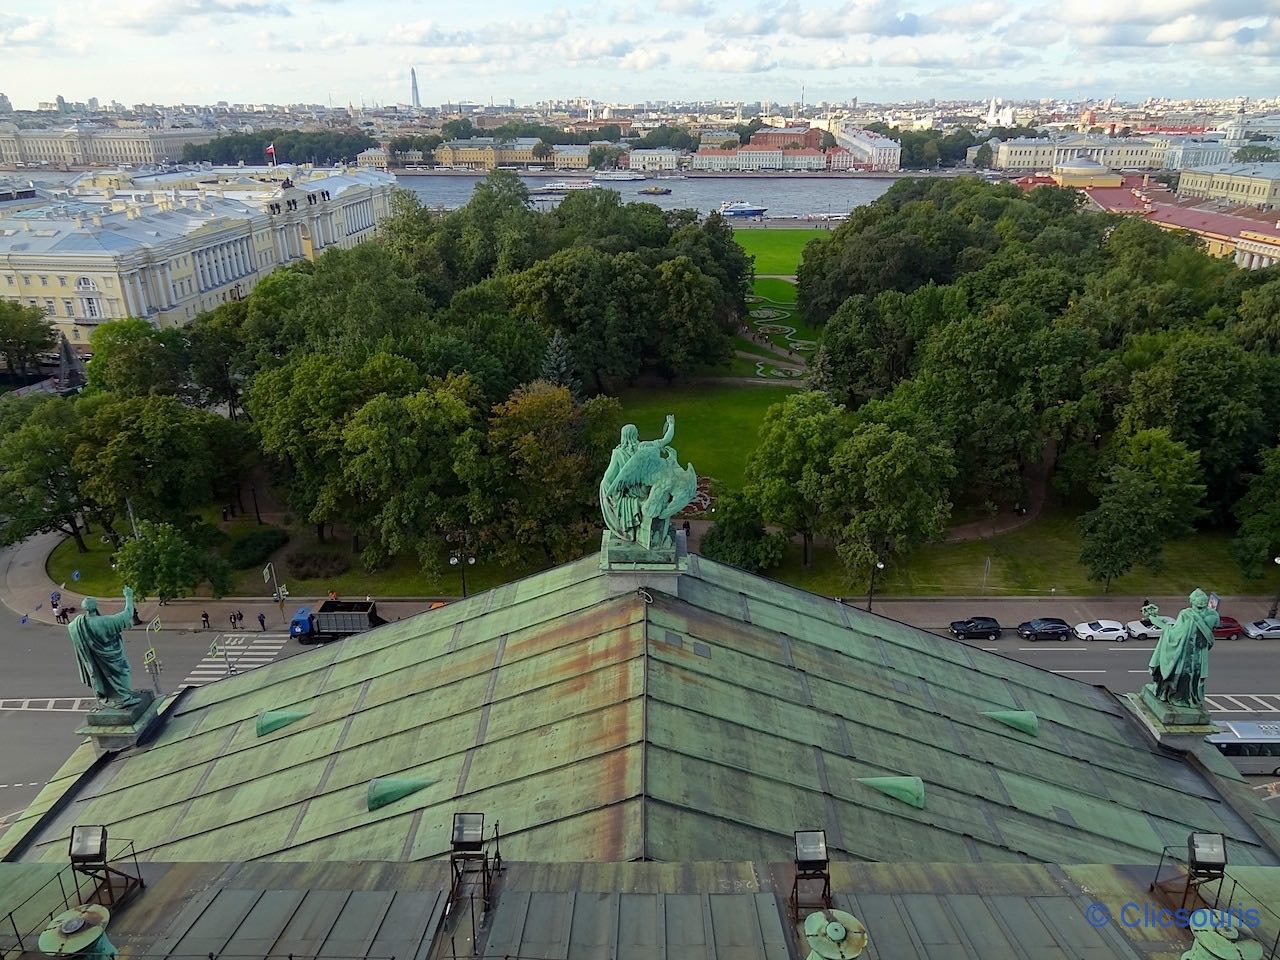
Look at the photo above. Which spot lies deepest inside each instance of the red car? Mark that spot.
(1228, 628)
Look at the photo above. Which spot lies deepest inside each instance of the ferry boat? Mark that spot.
(740, 208)
(655, 191)
(615, 175)
(563, 186)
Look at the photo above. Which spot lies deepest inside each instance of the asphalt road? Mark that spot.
(42, 701)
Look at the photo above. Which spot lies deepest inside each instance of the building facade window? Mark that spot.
(49, 308)
(62, 281)
(44, 281)
(84, 283)
(69, 307)
(91, 308)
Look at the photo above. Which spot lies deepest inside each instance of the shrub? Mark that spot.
(315, 566)
(256, 547)
(738, 536)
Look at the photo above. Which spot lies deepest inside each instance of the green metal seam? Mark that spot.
(644, 727)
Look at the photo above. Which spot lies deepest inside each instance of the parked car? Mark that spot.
(1268, 629)
(1045, 628)
(982, 628)
(1102, 630)
(1143, 629)
(1228, 628)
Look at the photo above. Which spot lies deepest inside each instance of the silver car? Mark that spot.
(1268, 629)
(1102, 630)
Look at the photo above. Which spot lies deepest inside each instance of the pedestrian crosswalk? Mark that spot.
(234, 653)
(50, 704)
(1243, 703)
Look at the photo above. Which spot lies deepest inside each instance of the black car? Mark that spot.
(982, 628)
(1045, 628)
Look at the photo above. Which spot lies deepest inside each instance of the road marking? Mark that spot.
(1269, 791)
(1053, 649)
(243, 651)
(1077, 671)
(51, 704)
(1240, 703)
(34, 783)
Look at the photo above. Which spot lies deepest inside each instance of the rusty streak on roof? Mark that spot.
(706, 725)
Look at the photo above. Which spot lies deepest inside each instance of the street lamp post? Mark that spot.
(269, 574)
(1275, 604)
(871, 586)
(461, 556)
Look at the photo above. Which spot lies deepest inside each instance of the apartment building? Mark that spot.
(82, 147)
(1251, 184)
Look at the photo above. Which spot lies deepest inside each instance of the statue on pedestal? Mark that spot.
(1180, 662)
(644, 487)
(100, 652)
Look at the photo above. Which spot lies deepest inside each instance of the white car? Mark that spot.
(1102, 630)
(1263, 629)
(1143, 629)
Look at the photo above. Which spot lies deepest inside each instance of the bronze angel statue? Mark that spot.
(645, 487)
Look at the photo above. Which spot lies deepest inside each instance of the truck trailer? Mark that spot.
(333, 620)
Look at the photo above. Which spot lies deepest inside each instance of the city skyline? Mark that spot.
(340, 51)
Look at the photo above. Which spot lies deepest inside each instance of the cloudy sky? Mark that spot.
(202, 51)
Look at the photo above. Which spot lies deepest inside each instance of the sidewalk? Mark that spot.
(25, 588)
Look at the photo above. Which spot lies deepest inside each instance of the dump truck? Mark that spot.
(333, 620)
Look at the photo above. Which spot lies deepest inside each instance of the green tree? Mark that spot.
(1257, 542)
(738, 535)
(457, 129)
(163, 458)
(542, 150)
(397, 458)
(534, 483)
(557, 365)
(41, 489)
(131, 358)
(784, 473)
(1256, 153)
(160, 561)
(1257, 323)
(24, 333)
(982, 159)
(217, 357)
(828, 140)
(1151, 495)
(885, 491)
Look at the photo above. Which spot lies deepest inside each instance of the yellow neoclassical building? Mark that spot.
(488, 153)
(1246, 184)
(167, 252)
(84, 146)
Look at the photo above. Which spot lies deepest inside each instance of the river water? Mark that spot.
(782, 196)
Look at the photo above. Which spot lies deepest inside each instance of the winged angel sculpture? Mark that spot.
(645, 487)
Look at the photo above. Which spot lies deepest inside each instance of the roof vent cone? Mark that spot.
(385, 790)
(271, 720)
(1023, 720)
(909, 790)
(834, 935)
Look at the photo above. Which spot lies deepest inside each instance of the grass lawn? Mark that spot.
(733, 367)
(771, 288)
(404, 577)
(96, 576)
(776, 251)
(716, 426)
(1032, 561)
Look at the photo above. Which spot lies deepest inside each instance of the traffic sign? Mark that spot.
(213, 649)
(150, 656)
(75, 575)
(266, 573)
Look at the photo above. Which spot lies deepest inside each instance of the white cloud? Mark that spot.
(738, 59)
(645, 59)
(159, 17)
(21, 31)
(685, 8)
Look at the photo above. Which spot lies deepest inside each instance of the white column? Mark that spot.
(140, 287)
(170, 294)
(125, 293)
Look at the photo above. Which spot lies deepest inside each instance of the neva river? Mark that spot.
(783, 196)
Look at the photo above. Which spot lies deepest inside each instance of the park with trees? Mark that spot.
(952, 356)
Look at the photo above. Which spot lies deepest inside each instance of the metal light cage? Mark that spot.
(468, 832)
(88, 844)
(811, 850)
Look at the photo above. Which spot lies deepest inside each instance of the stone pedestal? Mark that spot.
(1181, 728)
(631, 566)
(113, 728)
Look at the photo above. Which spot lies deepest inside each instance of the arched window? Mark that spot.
(84, 283)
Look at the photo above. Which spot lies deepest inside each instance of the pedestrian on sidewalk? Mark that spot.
(204, 619)
(262, 621)
(232, 617)
(240, 618)
(686, 529)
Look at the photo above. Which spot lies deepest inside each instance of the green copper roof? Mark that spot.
(707, 724)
